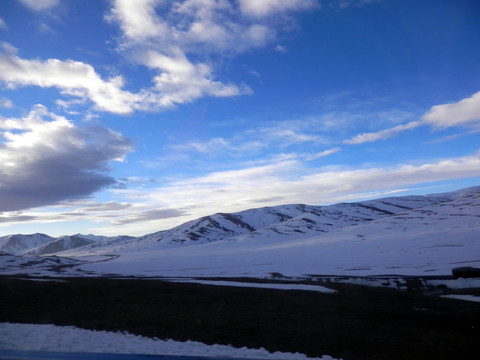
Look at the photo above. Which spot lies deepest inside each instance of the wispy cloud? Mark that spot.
(324, 153)
(383, 134)
(285, 134)
(464, 113)
(269, 7)
(3, 24)
(45, 159)
(211, 146)
(272, 138)
(39, 5)
(344, 4)
(151, 215)
(6, 103)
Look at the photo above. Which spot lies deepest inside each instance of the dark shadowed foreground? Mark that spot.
(357, 322)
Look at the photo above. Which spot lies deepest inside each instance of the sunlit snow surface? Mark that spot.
(30, 337)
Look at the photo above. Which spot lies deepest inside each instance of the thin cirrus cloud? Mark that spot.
(39, 5)
(465, 113)
(6, 103)
(245, 144)
(324, 153)
(150, 215)
(267, 7)
(45, 159)
(383, 134)
(3, 24)
(343, 4)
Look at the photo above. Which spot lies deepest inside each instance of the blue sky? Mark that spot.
(129, 117)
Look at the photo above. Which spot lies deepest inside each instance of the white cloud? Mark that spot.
(465, 112)
(289, 178)
(74, 78)
(3, 25)
(166, 37)
(269, 7)
(180, 81)
(138, 19)
(173, 37)
(45, 159)
(39, 5)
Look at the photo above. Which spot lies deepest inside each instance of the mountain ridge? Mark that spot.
(283, 221)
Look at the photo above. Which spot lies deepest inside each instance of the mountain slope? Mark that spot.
(61, 244)
(19, 244)
(429, 240)
(284, 221)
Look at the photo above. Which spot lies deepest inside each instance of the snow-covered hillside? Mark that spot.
(399, 235)
(20, 244)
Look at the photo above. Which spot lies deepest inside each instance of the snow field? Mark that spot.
(32, 337)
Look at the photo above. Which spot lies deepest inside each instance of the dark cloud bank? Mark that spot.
(45, 162)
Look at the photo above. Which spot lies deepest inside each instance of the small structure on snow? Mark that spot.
(466, 272)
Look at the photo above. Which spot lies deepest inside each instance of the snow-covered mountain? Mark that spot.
(20, 244)
(64, 243)
(284, 221)
(408, 235)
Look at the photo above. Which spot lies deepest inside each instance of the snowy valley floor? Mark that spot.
(352, 322)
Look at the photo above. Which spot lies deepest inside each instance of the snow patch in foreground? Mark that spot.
(32, 337)
(463, 297)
